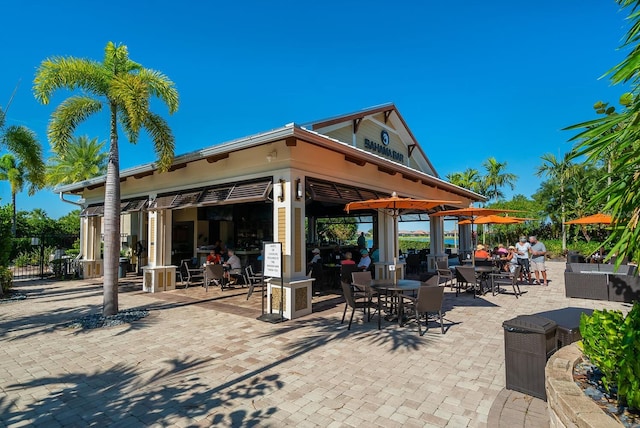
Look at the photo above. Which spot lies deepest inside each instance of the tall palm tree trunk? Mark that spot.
(14, 217)
(112, 222)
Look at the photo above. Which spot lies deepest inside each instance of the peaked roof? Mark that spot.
(389, 110)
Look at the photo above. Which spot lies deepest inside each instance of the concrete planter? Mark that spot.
(568, 405)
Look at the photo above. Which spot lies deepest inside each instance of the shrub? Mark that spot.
(612, 343)
(6, 280)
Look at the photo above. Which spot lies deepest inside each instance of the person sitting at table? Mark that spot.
(375, 254)
(213, 258)
(348, 259)
(365, 260)
(481, 253)
(233, 267)
(511, 260)
(502, 252)
(315, 256)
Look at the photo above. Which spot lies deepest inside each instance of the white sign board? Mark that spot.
(273, 259)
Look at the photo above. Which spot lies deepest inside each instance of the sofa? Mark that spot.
(602, 282)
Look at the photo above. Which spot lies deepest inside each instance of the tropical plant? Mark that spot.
(13, 172)
(82, 159)
(125, 89)
(497, 178)
(6, 280)
(558, 172)
(616, 136)
(23, 144)
(611, 341)
(602, 342)
(470, 179)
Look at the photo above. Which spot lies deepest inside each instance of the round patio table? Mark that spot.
(484, 272)
(396, 288)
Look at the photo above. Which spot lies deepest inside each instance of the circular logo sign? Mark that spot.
(384, 136)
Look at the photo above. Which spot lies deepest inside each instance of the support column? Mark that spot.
(436, 252)
(466, 247)
(288, 229)
(159, 275)
(386, 240)
(90, 246)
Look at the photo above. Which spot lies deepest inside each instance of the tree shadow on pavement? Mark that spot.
(125, 395)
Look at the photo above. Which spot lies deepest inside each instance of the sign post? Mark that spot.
(273, 269)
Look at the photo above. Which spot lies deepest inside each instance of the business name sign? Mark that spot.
(383, 148)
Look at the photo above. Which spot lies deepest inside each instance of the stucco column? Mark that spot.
(465, 238)
(294, 288)
(436, 230)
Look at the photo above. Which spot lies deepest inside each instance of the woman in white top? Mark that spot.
(522, 251)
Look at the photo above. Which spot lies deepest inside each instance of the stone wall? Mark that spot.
(568, 406)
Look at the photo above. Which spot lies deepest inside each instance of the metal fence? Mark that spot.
(45, 256)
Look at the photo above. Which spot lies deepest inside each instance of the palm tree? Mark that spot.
(23, 144)
(13, 172)
(496, 178)
(83, 159)
(123, 88)
(470, 179)
(560, 172)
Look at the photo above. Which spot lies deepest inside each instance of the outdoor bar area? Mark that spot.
(272, 187)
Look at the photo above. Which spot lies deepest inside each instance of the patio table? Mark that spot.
(396, 289)
(485, 272)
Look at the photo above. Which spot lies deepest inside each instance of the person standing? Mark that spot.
(538, 252)
(522, 253)
(362, 241)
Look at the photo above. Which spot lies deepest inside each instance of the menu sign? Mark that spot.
(273, 259)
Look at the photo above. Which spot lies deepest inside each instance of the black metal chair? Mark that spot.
(506, 278)
(252, 279)
(428, 300)
(214, 273)
(351, 302)
(466, 275)
(189, 274)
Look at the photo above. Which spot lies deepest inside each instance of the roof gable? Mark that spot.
(381, 130)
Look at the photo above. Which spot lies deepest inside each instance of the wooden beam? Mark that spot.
(216, 158)
(95, 186)
(410, 178)
(356, 124)
(357, 161)
(386, 115)
(410, 148)
(178, 166)
(291, 142)
(387, 170)
(143, 174)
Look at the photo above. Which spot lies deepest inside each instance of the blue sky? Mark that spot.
(472, 79)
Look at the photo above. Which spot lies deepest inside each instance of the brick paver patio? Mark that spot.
(201, 358)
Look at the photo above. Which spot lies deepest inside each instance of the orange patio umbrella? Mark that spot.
(473, 213)
(395, 206)
(592, 219)
(493, 219)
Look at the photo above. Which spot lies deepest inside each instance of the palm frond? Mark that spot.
(131, 94)
(70, 73)
(162, 87)
(67, 116)
(23, 142)
(163, 140)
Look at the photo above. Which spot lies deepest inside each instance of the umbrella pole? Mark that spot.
(473, 253)
(395, 243)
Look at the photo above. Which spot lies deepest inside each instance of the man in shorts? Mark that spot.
(538, 252)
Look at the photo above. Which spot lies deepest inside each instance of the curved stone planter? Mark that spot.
(568, 405)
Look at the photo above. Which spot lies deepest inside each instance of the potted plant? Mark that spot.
(611, 342)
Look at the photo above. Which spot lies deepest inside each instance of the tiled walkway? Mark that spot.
(201, 359)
